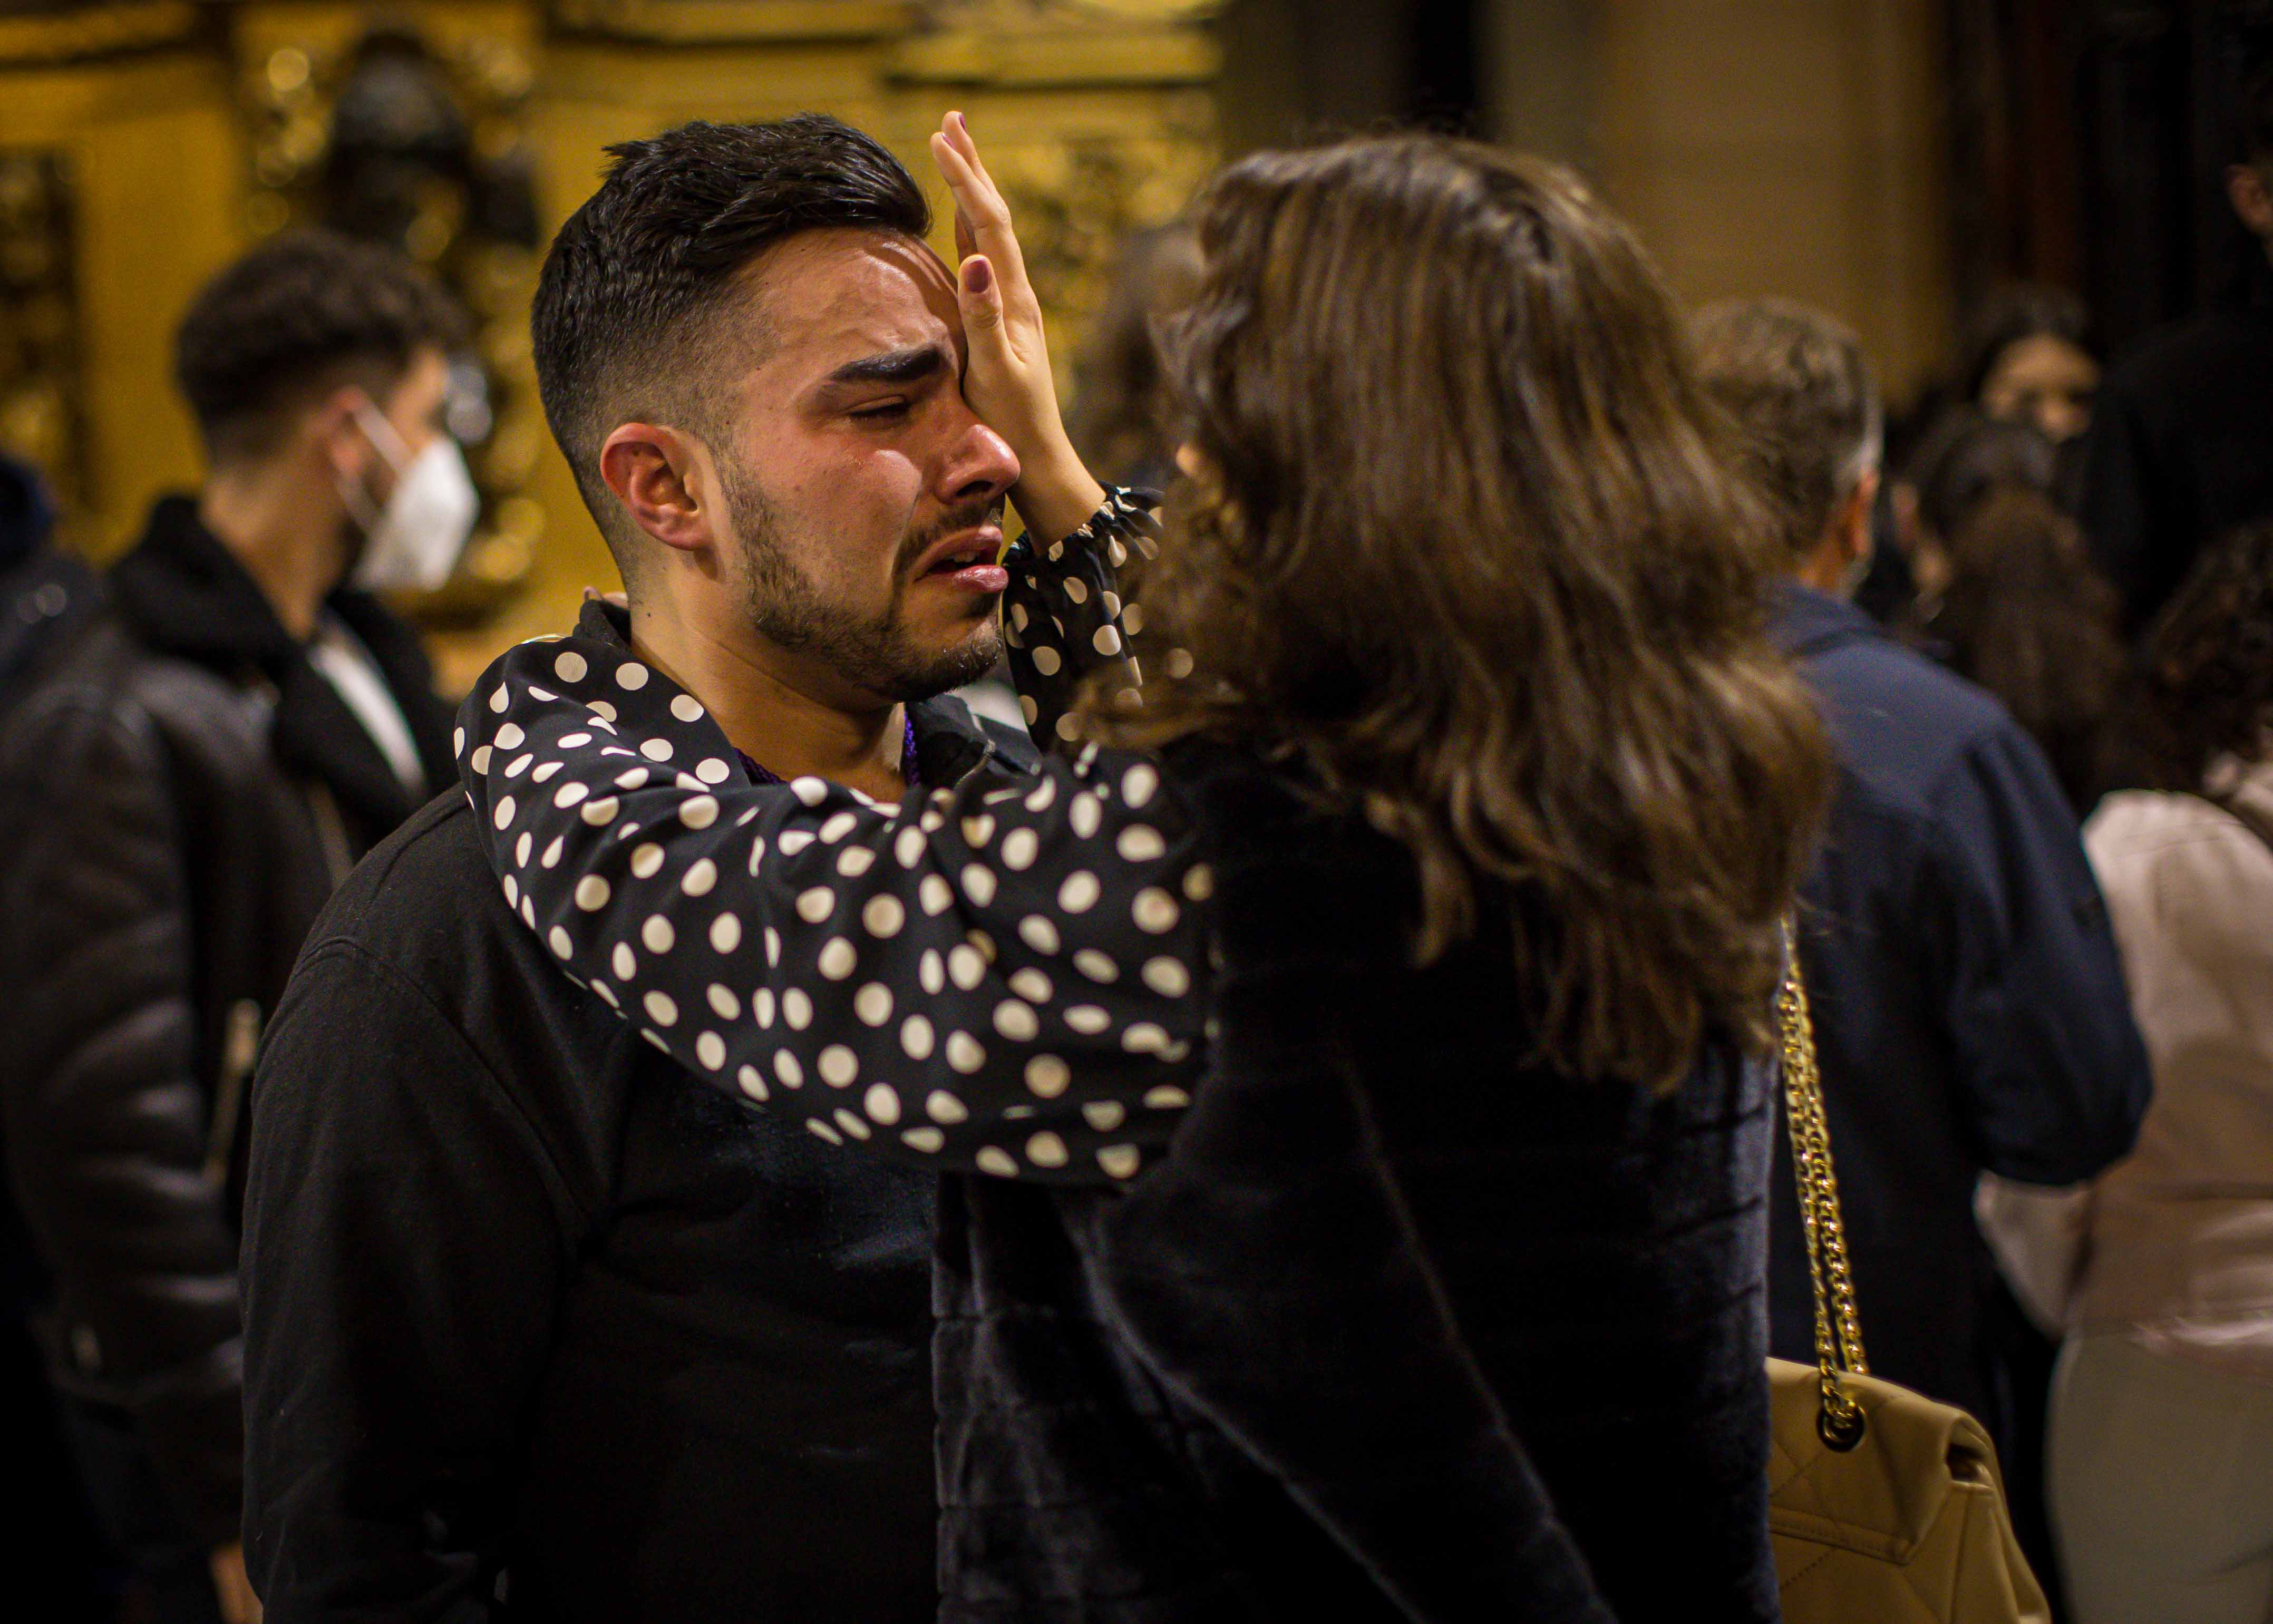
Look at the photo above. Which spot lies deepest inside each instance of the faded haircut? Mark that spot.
(637, 283)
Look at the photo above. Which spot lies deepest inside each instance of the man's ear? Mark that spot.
(1855, 516)
(667, 482)
(331, 424)
(2247, 188)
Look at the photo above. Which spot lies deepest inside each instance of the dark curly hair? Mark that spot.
(1473, 554)
(2203, 689)
(296, 317)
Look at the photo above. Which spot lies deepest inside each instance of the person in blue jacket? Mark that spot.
(1970, 1005)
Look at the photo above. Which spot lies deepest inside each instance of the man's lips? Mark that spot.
(966, 559)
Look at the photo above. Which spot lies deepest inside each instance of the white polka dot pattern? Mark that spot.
(957, 959)
(1064, 620)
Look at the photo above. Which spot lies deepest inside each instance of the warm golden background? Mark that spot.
(1797, 147)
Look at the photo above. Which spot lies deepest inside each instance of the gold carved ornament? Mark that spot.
(395, 137)
(42, 417)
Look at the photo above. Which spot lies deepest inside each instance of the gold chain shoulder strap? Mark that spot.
(1838, 1331)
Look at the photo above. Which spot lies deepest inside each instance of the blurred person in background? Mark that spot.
(45, 596)
(1122, 417)
(2181, 447)
(1963, 457)
(1968, 1006)
(2162, 1422)
(2028, 359)
(2017, 605)
(184, 787)
(2028, 617)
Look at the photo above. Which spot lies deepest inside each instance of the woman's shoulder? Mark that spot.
(2180, 862)
(1266, 804)
(1297, 868)
(2157, 829)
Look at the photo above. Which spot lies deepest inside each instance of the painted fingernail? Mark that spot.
(977, 275)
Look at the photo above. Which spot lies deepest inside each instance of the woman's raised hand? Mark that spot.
(1007, 378)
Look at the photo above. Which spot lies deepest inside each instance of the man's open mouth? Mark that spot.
(947, 564)
(967, 561)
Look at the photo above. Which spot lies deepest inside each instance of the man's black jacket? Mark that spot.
(524, 1301)
(179, 791)
(2182, 446)
(1969, 1006)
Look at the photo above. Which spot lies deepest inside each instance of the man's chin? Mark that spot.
(929, 675)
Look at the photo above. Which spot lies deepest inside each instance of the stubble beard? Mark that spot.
(876, 654)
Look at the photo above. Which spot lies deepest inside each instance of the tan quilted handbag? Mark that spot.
(1884, 1507)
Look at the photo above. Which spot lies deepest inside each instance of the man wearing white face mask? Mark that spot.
(181, 791)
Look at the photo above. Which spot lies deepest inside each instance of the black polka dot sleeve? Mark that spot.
(1004, 975)
(1062, 618)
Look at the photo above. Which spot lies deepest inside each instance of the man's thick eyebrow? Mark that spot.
(894, 366)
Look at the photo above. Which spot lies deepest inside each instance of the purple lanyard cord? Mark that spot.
(910, 763)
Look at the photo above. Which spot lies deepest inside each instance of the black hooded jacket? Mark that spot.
(180, 790)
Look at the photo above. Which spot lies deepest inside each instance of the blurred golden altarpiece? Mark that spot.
(145, 142)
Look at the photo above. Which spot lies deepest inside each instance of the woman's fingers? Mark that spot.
(980, 293)
(957, 130)
(961, 178)
(961, 181)
(977, 199)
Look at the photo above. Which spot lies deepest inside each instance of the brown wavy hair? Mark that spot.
(2201, 695)
(1468, 545)
(2028, 617)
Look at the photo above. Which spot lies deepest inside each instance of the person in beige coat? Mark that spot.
(2162, 1424)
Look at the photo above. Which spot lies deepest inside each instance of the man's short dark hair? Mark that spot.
(624, 306)
(1800, 391)
(295, 318)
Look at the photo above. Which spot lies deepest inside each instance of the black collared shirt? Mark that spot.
(524, 1311)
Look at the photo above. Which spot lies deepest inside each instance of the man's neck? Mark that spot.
(288, 544)
(770, 711)
(1829, 569)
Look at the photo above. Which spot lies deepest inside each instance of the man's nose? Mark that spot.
(980, 466)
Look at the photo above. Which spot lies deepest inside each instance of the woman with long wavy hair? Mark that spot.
(1437, 869)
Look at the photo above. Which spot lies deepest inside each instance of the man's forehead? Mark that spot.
(832, 296)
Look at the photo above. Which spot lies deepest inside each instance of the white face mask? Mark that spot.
(413, 542)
